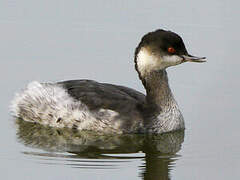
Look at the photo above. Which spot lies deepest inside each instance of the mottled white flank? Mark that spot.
(50, 104)
(148, 61)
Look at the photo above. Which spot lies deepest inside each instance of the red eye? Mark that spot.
(171, 50)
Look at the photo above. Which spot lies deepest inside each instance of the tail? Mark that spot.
(48, 104)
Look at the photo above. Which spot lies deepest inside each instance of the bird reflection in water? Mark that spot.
(91, 150)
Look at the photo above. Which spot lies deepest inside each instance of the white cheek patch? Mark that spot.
(172, 60)
(147, 62)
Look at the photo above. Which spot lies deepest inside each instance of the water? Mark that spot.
(60, 40)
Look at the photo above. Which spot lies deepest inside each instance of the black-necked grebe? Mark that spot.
(108, 108)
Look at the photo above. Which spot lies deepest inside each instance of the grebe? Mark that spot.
(107, 108)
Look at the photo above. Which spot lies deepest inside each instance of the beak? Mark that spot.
(190, 58)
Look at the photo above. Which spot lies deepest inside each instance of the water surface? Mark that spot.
(60, 40)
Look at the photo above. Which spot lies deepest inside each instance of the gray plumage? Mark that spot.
(106, 108)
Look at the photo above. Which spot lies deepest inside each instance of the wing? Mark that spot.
(127, 103)
(107, 96)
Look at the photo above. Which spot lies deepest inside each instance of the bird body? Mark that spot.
(107, 108)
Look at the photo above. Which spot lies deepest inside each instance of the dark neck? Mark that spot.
(161, 112)
(157, 89)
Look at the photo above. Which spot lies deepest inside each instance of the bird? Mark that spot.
(88, 105)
